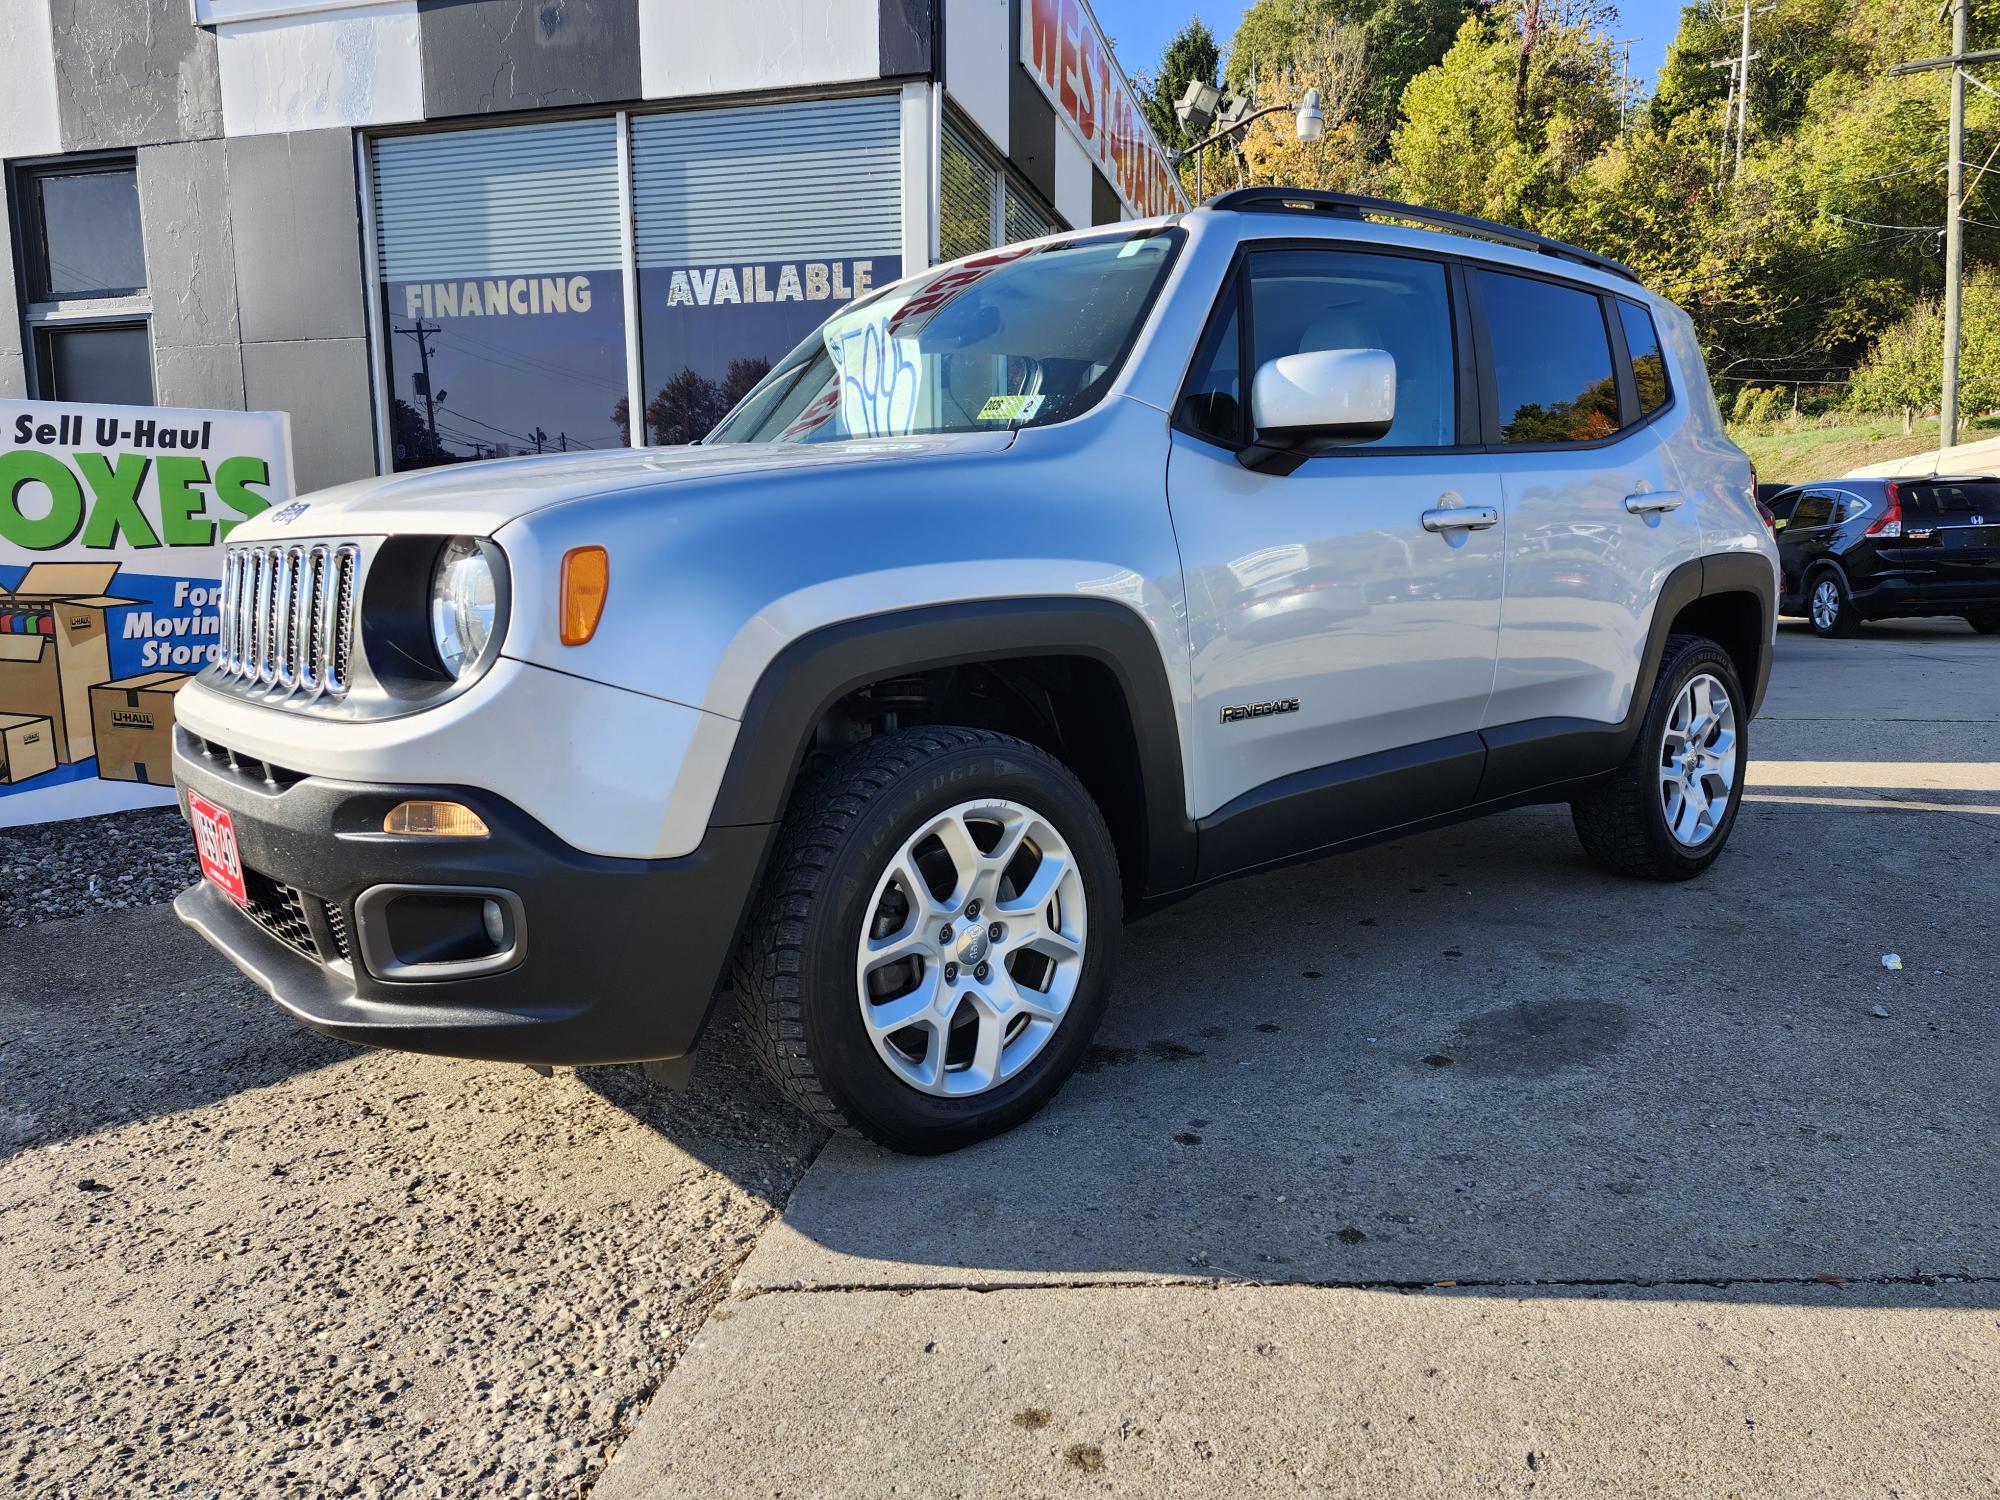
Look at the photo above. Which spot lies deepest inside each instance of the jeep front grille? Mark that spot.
(288, 617)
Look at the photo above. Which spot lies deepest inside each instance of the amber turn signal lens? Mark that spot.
(435, 820)
(586, 579)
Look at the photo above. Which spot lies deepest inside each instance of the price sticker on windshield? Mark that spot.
(1010, 408)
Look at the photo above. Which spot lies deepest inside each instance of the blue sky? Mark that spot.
(1141, 28)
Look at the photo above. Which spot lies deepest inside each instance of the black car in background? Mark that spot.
(1878, 549)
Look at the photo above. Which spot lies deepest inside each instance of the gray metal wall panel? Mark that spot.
(907, 28)
(184, 214)
(323, 383)
(133, 73)
(1031, 124)
(13, 372)
(486, 56)
(516, 200)
(297, 233)
(827, 176)
(1105, 205)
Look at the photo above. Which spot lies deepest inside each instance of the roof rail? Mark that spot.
(1361, 206)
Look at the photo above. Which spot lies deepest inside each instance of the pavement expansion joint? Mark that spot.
(1213, 1283)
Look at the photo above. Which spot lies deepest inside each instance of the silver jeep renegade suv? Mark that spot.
(1030, 592)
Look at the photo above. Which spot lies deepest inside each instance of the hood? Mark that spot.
(477, 499)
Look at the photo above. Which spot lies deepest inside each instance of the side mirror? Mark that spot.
(1306, 404)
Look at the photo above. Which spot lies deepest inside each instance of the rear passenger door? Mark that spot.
(1580, 405)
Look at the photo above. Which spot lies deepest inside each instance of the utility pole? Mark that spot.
(421, 333)
(1738, 108)
(1954, 247)
(540, 437)
(1625, 80)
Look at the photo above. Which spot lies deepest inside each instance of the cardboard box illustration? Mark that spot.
(56, 646)
(133, 719)
(27, 747)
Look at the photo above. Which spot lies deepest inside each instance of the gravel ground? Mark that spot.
(242, 1258)
(93, 864)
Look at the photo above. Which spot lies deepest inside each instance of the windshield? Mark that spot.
(1019, 337)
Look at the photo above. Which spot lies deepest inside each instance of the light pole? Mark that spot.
(1196, 111)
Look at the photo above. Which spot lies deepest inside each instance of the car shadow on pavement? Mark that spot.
(125, 1015)
(128, 1016)
(1471, 1057)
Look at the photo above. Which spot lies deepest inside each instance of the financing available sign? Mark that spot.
(1072, 63)
(111, 524)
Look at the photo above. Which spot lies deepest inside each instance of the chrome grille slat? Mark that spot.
(288, 618)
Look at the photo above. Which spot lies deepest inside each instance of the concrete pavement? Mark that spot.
(1717, 1227)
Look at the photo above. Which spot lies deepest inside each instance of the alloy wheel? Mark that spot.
(1825, 603)
(971, 948)
(1700, 757)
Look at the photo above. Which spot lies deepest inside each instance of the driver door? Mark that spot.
(1344, 618)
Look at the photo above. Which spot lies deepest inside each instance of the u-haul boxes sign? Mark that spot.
(1071, 62)
(111, 524)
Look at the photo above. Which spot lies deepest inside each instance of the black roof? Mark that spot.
(1361, 206)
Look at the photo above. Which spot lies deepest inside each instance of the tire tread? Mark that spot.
(766, 972)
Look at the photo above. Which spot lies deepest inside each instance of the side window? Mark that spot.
(1649, 364)
(1849, 507)
(1813, 510)
(1304, 301)
(1551, 361)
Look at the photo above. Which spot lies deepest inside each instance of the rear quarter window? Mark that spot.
(1649, 363)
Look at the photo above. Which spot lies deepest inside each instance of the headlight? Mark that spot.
(464, 605)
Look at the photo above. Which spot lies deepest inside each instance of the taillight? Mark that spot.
(1890, 522)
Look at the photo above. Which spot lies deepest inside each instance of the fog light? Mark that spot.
(435, 820)
(493, 917)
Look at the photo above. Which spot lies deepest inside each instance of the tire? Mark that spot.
(1623, 823)
(1986, 622)
(1830, 606)
(856, 836)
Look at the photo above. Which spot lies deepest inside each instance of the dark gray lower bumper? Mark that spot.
(623, 957)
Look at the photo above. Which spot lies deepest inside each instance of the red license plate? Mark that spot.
(215, 846)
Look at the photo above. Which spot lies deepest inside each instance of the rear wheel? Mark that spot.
(1986, 621)
(1667, 812)
(933, 947)
(1829, 605)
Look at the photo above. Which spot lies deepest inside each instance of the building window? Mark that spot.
(979, 206)
(84, 267)
(753, 225)
(502, 273)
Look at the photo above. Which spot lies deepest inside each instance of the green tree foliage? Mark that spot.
(1904, 367)
(1504, 126)
(1399, 38)
(1192, 54)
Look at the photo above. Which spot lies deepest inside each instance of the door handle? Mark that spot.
(1461, 518)
(1651, 502)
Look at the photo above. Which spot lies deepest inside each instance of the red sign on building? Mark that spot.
(1066, 54)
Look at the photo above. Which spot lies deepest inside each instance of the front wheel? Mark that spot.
(933, 946)
(1667, 811)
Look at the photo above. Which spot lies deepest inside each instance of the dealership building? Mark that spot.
(441, 230)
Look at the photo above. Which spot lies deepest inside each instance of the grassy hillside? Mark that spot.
(1788, 454)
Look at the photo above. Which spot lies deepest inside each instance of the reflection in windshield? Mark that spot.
(1022, 336)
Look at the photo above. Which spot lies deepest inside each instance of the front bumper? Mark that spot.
(622, 957)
